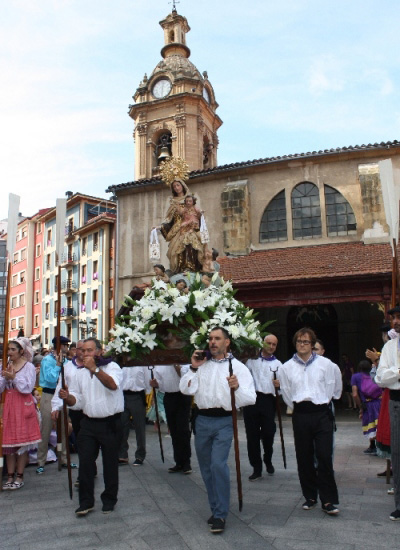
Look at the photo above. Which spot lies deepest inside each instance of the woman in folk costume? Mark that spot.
(21, 427)
(185, 249)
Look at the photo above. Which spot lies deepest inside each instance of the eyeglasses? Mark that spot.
(303, 342)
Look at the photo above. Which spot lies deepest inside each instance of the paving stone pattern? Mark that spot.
(157, 510)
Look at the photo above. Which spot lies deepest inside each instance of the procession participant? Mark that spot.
(388, 376)
(208, 380)
(135, 384)
(96, 390)
(308, 383)
(21, 425)
(177, 410)
(259, 419)
(49, 372)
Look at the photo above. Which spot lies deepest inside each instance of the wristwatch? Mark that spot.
(97, 370)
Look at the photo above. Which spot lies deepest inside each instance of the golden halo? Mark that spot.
(174, 168)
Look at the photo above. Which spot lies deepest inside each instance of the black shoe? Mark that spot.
(123, 461)
(309, 504)
(218, 526)
(270, 468)
(175, 469)
(268, 464)
(138, 462)
(107, 508)
(210, 520)
(83, 510)
(395, 516)
(72, 464)
(383, 474)
(370, 451)
(255, 476)
(187, 469)
(330, 509)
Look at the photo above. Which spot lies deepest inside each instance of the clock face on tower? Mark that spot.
(161, 88)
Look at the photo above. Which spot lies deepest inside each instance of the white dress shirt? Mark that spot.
(69, 373)
(318, 381)
(167, 377)
(210, 387)
(388, 374)
(135, 379)
(262, 371)
(92, 397)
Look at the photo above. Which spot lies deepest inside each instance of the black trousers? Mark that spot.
(135, 406)
(313, 435)
(177, 410)
(259, 421)
(96, 433)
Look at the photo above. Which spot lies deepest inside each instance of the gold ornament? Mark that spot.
(174, 168)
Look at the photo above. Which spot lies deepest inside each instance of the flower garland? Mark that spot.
(164, 311)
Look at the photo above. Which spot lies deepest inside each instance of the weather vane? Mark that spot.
(174, 2)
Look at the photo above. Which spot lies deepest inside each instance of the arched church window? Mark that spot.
(306, 211)
(340, 218)
(273, 225)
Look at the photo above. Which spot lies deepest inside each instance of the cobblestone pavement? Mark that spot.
(158, 510)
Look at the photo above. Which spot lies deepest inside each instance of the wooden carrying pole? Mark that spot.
(4, 366)
(236, 442)
(62, 425)
(12, 222)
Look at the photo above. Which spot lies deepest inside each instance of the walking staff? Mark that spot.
(278, 412)
(61, 207)
(236, 441)
(13, 209)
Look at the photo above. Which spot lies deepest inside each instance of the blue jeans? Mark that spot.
(213, 441)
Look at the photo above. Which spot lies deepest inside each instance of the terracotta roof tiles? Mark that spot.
(309, 262)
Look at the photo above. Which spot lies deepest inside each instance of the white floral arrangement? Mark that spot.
(164, 311)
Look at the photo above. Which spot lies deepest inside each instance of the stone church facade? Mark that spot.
(303, 236)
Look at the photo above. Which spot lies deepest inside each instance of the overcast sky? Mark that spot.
(289, 76)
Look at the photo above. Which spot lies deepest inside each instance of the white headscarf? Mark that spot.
(26, 345)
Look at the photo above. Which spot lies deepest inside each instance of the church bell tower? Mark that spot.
(175, 108)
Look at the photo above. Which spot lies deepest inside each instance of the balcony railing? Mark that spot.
(67, 312)
(84, 252)
(95, 247)
(68, 258)
(69, 284)
(69, 229)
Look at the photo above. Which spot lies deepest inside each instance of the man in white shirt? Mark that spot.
(177, 410)
(308, 383)
(135, 383)
(388, 376)
(96, 390)
(210, 383)
(259, 419)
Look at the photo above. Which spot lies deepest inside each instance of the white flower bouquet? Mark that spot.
(164, 314)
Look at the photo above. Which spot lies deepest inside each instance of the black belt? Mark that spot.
(105, 418)
(309, 407)
(131, 392)
(394, 395)
(215, 412)
(49, 390)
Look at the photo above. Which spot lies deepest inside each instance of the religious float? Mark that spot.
(181, 305)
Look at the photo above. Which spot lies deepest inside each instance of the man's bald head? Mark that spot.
(270, 344)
